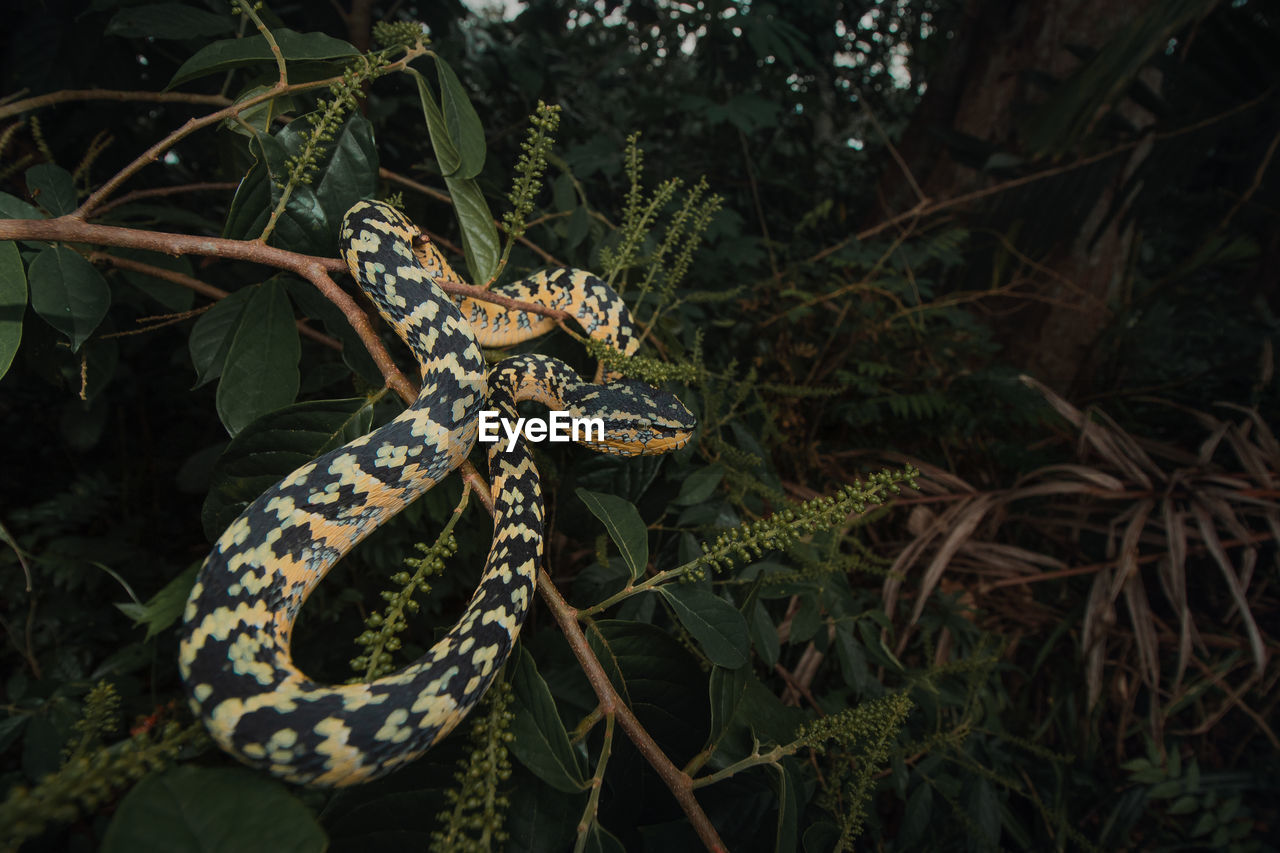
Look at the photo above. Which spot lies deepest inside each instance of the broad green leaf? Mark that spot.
(626, 528)
(265, 451)
(12, 207)
(853, 661)
(53, 188)
(699, 485)
(916, 816)
(13, 302)
(313, 304)
(480, 241)
(163, 608)
(659, 679)
(212, 334)
(236, 53)
(542, 818)
(822, 837)
(210, 810)
(600, 840)
(68, 293)
(168, 21)
(725, 691)
(764, 634)
(806, 621)
(346, 172)
(261, 371)
(446, 152)
(461, 123)
(715, 623)
(540, 741)
(173, 296)
(788, 782)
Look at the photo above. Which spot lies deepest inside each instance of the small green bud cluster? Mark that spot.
(650, 370)
(389, 34)
(325, 121)
(530, 167)
(750, 541)
(862, 739)
(380, 637)
(474, 823)
(87, 782)
(101, 717)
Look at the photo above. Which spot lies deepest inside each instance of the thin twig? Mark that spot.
(313, 269)
(209, 290)
(680, 785)
(65, 95)
(155, 192)
(923, 208)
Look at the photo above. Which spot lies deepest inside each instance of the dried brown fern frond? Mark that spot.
(1179, 533)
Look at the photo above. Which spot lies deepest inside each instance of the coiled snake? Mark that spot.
(235, 658)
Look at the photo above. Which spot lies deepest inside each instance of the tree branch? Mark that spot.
(611, 704)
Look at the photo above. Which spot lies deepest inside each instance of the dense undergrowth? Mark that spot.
(893, 595)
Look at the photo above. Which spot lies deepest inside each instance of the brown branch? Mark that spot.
(65, 95)
(163, 191)
(313, 269)
(924, 208)
(192, 125)
(1109, 564)
(679, 783)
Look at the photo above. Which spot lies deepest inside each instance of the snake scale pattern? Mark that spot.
(235, 655)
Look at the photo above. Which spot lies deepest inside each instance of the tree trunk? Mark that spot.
(983, 90)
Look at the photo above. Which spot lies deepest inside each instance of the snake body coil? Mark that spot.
(235, 658)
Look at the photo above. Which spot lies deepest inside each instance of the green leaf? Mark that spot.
(53, 188)
(659, 679)
(68, 293)
(12, 207)
(699, 485)
(168, 21)
(212, 334)
(13, 302)
(715, 623)
(163, 608)
(915, 818)
(626, 528)
(211, 810)
(346, 172)
(261, 371)
(600, 840)
(480, 243)
(461, 123)
(540, 741)
(437, 127)
(236, 53)
(853, 662)
(313, 303)
(265, 451)
(725, 690)
(790, 788)
(764, 635)
(173, 296)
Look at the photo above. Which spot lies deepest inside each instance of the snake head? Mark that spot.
(639, 420)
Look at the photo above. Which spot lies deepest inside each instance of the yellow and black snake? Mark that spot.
(235, 658)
